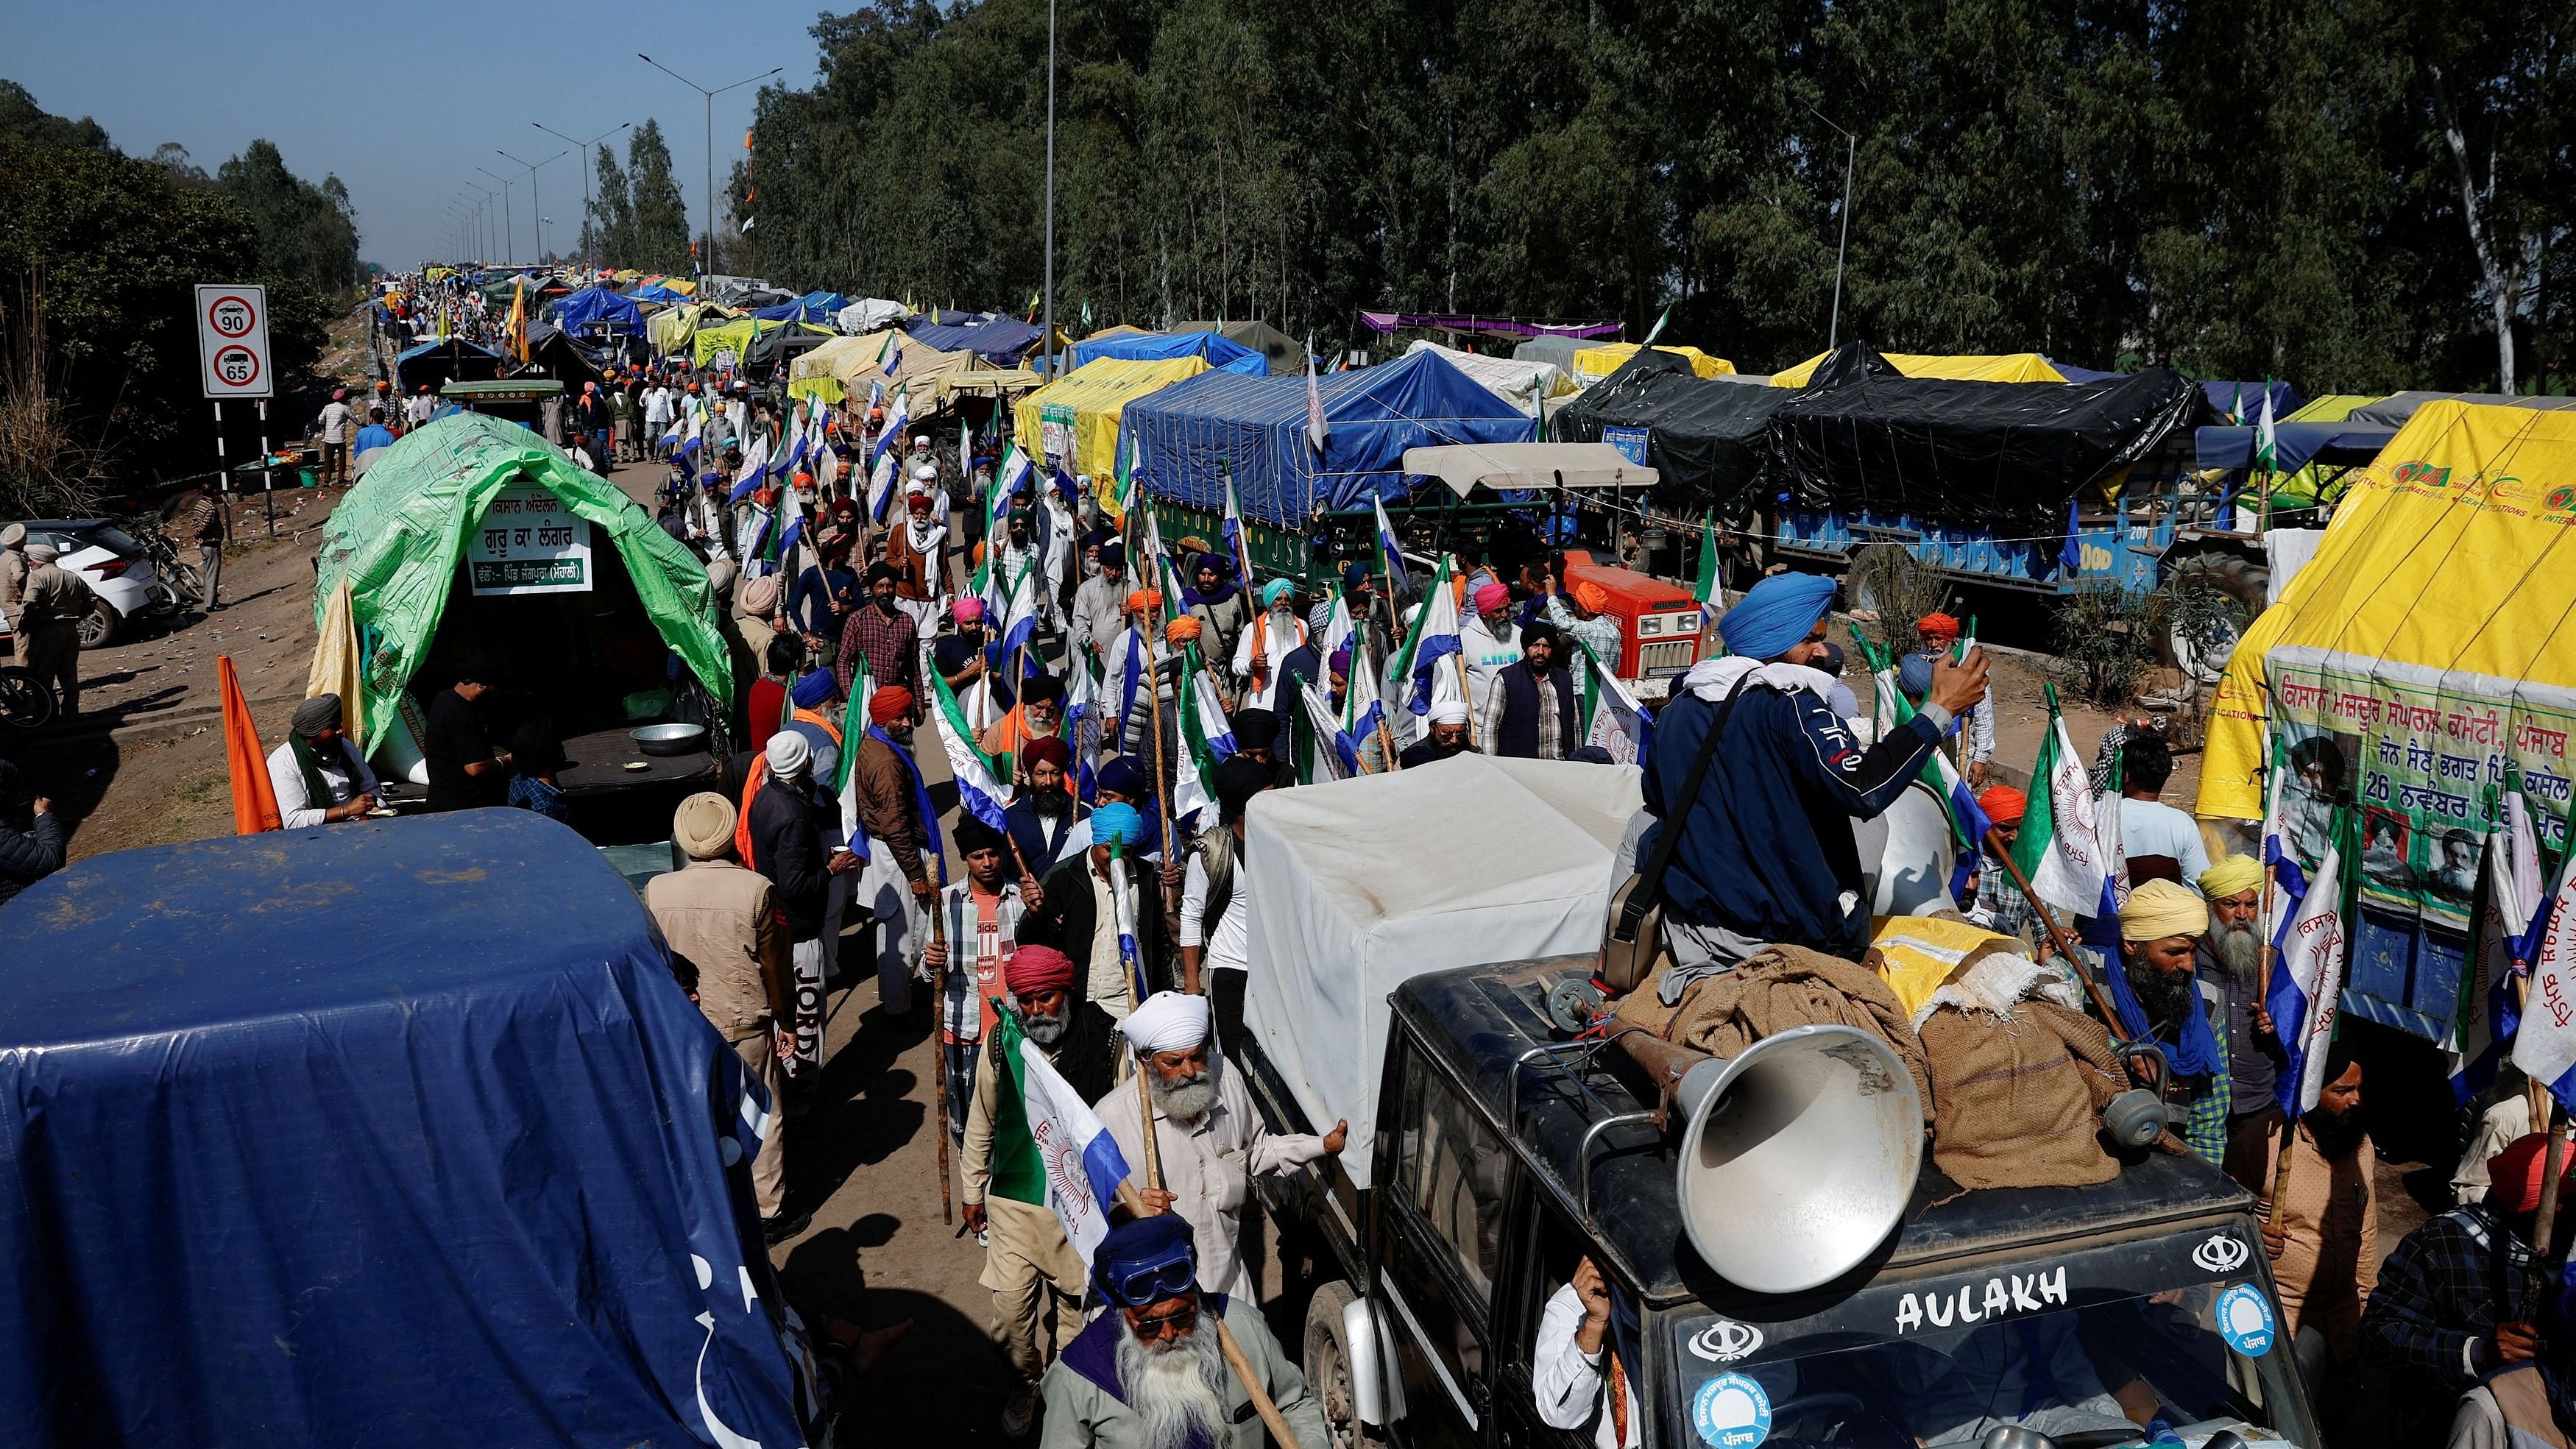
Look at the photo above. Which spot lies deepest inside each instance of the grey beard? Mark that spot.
(1176, 1387)
(2238, 949)
(1185, 1101)
(1046, 1031)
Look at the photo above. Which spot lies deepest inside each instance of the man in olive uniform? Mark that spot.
(50, 605)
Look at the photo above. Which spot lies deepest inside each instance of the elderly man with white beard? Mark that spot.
(1151, 1372)
(1209, 1137)
(2231, 959)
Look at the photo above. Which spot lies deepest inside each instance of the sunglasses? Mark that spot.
(1154, 1282)
(1178, 1321)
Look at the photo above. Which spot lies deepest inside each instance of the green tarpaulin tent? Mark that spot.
(398, 535)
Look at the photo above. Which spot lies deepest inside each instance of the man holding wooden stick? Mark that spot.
(1173, 1364)
(1208, 1140)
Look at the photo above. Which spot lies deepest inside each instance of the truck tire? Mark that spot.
(2203, 657)
(1328, 1367)
(98, 626)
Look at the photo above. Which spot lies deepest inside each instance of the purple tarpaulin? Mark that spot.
(1501, 326)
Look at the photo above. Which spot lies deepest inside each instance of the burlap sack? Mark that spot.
(2021, 1095)
(1778, 988)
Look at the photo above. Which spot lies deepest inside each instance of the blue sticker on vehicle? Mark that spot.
(1731, 1412)
(2245, 1320)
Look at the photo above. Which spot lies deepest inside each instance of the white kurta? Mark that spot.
(1287, 633)
(1208, 1166)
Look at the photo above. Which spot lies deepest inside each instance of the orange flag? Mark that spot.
(254, 799)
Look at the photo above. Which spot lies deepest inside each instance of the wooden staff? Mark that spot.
(2536, 1279)
(2057, 936)
(1154, 705)
(939, 937)
(2289, 1124)
(1144, 1060)
(1385, 733)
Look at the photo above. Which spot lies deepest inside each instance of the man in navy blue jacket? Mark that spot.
(1766, 854)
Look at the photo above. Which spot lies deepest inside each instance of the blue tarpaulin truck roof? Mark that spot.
(394, 1132)
(1187, 434)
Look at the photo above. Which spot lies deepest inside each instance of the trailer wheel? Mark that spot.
(2201, 649)
(1328, 1366)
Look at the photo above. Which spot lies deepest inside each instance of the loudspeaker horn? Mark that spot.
(1798, 1155)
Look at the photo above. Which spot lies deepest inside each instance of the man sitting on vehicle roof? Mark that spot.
(1152, 1374)
(1210, 1140)
(1766, 854)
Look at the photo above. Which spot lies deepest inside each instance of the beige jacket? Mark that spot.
(720, 916)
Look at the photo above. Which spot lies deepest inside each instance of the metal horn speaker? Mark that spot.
(1798, 1155)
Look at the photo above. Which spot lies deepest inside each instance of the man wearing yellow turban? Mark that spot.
(2231, 960)
(2159, 996)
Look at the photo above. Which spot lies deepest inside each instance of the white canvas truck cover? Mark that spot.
(1358, 884)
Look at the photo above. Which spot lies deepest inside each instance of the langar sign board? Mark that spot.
(528, 543)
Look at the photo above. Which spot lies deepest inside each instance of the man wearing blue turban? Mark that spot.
(1765, 855)
(1076, 913)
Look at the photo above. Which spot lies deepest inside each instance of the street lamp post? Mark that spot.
(707, 265)
(533, 202)
(1851, 150)
(483, 238)
(1049, 279)
(509, 238)
(582, 148)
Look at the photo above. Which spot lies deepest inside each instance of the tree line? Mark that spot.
(637, 217)
(2365, 196)
(99, 252)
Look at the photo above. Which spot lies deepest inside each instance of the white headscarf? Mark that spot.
(1168, 1021)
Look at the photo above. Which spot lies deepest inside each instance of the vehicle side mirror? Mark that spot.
(1377, 1386)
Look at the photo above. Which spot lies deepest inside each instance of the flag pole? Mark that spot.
(1154, 704)
(939, 938)
(2057, 936)
(2289, 1122)
(2535, 1281)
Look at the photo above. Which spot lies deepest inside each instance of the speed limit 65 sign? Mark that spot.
(232, 340)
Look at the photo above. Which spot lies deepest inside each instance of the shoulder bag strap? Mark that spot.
(1668, 839)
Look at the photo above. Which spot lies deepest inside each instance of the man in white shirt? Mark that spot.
(1574, 1366)
(1489, 642)
(1210, 1140)
(421, 407)
(334, 423)
(1216, 931)
(319, 778)
(2156, 837)
(1265, 643)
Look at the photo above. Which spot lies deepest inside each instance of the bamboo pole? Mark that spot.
(2057, 936)
(2543, 1226)
(939, 1005)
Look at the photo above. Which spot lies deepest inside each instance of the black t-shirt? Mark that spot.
(456, 738)
(1425, 751)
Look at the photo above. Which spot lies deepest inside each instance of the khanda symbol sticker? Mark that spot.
(1726, 1342)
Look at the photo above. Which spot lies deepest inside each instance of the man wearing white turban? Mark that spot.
(1206, 1131)
(1448, 736)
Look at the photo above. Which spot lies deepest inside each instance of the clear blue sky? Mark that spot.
(399, 101)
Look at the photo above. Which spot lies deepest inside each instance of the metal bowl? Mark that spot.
(669, 739)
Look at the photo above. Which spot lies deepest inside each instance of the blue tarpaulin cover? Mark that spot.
(596, 304)
(2226, 396)
(2294, 445)
(816, 307)
(396, 1132)
(1002, 339)
(1258, 424)
(1221, 354)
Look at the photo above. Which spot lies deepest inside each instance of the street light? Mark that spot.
(1050, 195)
(484, 241)
(533, 201)
(1851, 149)
(708, 265)
(509, 239)
(584, 148)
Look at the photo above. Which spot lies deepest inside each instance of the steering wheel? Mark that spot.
(1831, 1414)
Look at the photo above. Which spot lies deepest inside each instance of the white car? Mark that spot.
(117, 568)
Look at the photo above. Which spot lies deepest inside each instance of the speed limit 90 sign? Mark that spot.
(232, 340)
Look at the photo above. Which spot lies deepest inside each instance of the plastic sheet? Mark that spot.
(2003, 454)
(396, 1132)
(1189, 432)
(1707, 439)
(1220, 353)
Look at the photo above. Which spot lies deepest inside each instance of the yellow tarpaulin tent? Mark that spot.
(820, 372)
(735, 337)
(2428, 641)
(1080, 411)
(2007, 367)
(1592, 364)
(670, 330)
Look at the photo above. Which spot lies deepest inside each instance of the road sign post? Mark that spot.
(232, 357)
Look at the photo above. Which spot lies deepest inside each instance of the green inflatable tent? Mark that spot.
(400, 533)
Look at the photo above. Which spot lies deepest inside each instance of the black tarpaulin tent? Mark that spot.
(1996, 453)
(1709, 439)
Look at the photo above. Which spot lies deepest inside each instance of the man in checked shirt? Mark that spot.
(2447, 1312)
